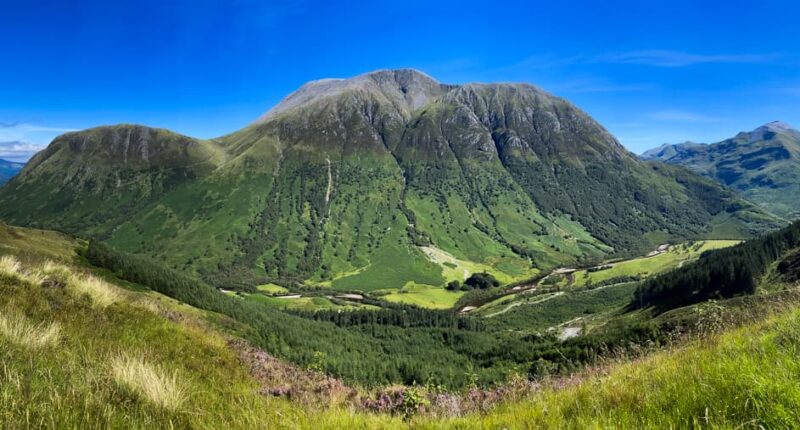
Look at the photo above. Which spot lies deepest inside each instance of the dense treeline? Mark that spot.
(395, 345)
(717, 274)
(405, 316)
(381, 355)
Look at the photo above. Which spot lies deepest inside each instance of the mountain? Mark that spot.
(763, 165)
(382, 181)
(8, 169)
(667, 151)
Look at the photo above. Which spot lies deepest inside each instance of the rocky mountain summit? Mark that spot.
(345, 182)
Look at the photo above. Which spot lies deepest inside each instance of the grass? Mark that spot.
(272, 289)
(127, 366)
(747, 378)
(101, 293)
(647, 266)
(25, 242)
(311, 303)
(17, 329)
(425, 296)
(454, 269)
(150, 382)
(11, 268)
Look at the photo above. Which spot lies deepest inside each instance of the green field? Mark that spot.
(425, 296)
(302, 303)
(272, 289)
(647, 266)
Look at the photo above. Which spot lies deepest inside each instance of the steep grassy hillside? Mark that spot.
(347, 183)
(740, 379)
(79, 349)
(763, 165)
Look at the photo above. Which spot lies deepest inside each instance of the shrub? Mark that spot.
(482, 281)
(453, 285)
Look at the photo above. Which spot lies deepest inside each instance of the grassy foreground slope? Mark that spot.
(746, 378)
(78, 350)
(105, 357)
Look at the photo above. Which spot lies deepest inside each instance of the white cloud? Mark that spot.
(19, 141)
(664, 58)
(18, 150)
(30, 132)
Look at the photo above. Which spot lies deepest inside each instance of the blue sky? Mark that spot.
(650, 71)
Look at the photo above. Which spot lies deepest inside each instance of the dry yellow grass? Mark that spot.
(56, 270)
(101, 293)
(9, 265)
(12, 268)
(149, 382)
(18, 330)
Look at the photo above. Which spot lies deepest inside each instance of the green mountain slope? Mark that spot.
(763, 165)
(342, 182)
(8, 169)
(81, 348)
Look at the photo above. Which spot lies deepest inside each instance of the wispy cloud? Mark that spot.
(678, 115)
(665, 58)
(597, 86)
(19, 140)
(23, 127)
(18, 150)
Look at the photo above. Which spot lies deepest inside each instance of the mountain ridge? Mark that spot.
(335, 185)
(763, 164)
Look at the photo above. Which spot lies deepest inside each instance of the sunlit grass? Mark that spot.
(56, 270)
(149, 382)
(11, 268)
(101, 293)
(746, 378)
(20, 331)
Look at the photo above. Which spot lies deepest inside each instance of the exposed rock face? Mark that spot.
(763, 164)
(405, 89)
(342, 179)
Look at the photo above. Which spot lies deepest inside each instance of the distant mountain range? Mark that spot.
(380, 181)
(763, 165)
(9, 169)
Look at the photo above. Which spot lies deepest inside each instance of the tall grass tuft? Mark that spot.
(56, 270)
(20, 331)
(101, 293)
(149, 382)
(10, 267)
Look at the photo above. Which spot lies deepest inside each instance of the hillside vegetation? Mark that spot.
(763, 165)
(80, 348)
(374, 182)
